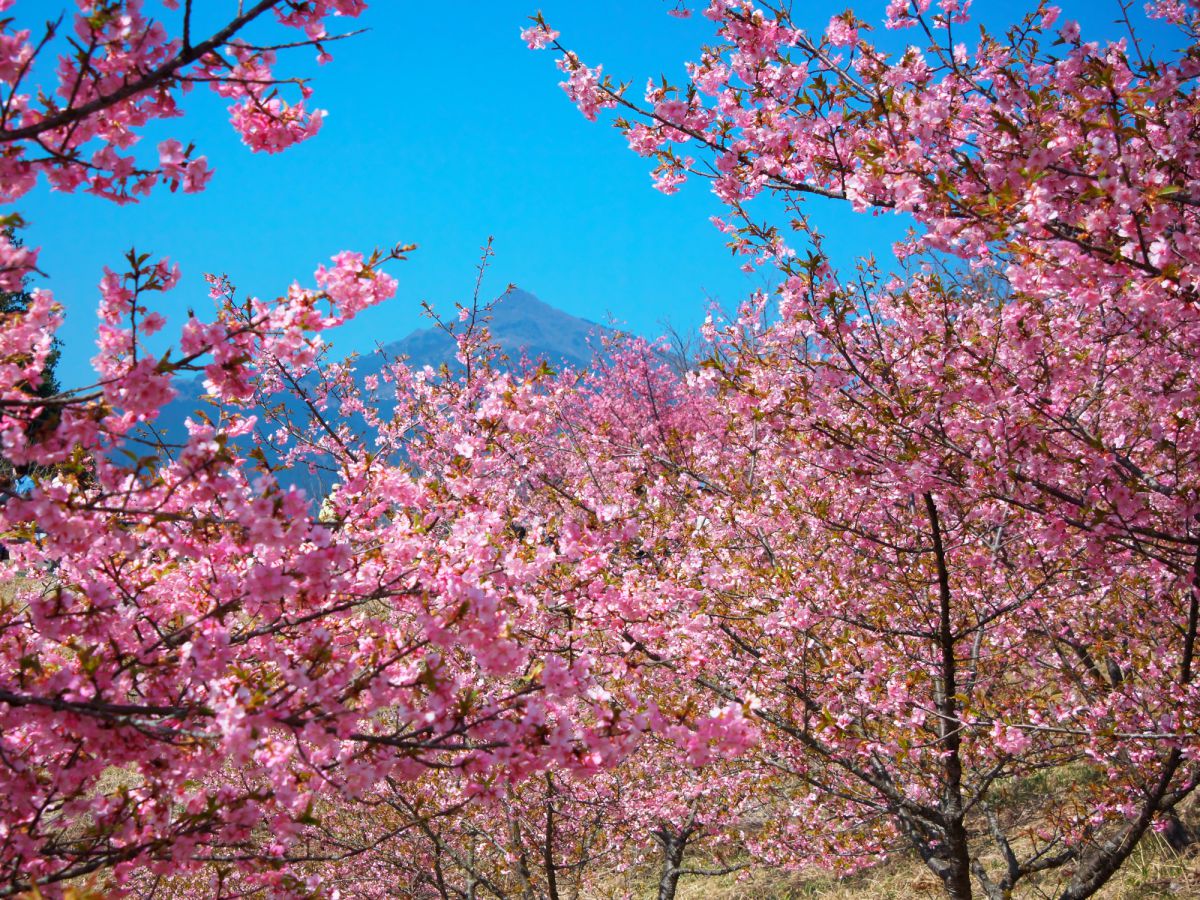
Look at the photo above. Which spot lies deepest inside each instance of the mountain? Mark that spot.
(520, 323)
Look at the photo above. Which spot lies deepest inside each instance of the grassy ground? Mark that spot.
(1154, 870)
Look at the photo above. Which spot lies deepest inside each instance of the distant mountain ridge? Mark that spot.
(520, 324)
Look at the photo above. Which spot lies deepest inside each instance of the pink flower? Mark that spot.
(842, 31)
(538, 36)
(197, 175)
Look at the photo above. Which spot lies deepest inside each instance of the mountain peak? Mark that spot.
(520, 324)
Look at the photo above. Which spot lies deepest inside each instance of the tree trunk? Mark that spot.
(672, 846)
(548, 843)
(954, 857)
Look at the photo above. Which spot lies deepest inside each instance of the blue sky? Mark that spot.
(443, 129)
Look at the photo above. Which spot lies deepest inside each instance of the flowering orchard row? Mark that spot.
(900, 543)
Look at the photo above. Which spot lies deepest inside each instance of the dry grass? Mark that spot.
(1154, 870)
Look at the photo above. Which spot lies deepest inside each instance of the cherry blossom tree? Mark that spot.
(191, 659)
(942, 523)
(555, 836)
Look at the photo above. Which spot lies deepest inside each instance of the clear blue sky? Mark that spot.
(444, 129)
